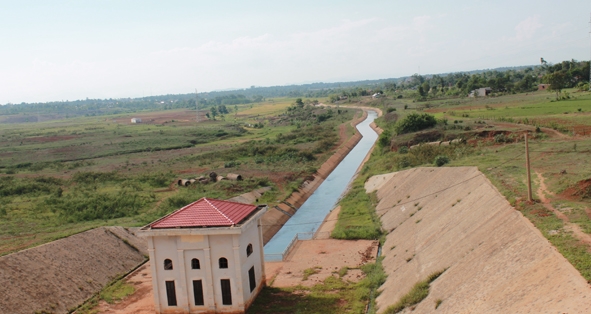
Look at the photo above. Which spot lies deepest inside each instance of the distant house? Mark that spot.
(376, 95)
(207, 257)
(485, 91)
(136, 120)
(543, 86)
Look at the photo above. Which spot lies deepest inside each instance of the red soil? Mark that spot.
(575, 193)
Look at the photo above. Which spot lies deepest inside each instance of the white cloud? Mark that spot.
(527, 28)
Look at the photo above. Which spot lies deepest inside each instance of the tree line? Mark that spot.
(562, 75)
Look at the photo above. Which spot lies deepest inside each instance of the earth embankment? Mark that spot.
(58, 276)
(495, 260)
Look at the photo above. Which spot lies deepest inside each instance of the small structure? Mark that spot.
(485, 91)
(234, 177)
(543, 86)
(376, 95)
(136, 120)
(207, 257)
(184, 182)
(220, 178)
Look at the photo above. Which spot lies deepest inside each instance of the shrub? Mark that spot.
(441, 160)
(403, 163)
(10, 186)
(500, 138)
(415, 122)
(403, 150)
(231, 164)
(384, 139)
(157, 179)
(94, 177)
(89, 205)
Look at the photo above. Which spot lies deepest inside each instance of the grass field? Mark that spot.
(65, 176)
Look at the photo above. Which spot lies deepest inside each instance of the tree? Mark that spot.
(214, 112)
(222, 109)
(299, 103)
(389, 86)
(557, 81)
(421, 91)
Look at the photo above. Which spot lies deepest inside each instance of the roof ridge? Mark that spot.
(219, 211)
(174, 213)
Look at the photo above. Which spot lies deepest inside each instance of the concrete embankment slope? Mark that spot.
(56, 277)
(496, 260)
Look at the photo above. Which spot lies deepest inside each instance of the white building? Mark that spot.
(207, 257)
(136, 120)
(481, 92)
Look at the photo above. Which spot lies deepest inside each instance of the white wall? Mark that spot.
(251, 235)
(208, 249)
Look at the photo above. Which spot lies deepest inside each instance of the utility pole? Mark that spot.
(197, 103)
(529, 197)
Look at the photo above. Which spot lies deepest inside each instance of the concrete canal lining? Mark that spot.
(310, 215)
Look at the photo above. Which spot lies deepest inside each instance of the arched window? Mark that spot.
(223, 262)
(248, 250)
(167, 264)
(195, 264)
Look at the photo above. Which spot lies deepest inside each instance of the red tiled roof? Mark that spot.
(206, 213)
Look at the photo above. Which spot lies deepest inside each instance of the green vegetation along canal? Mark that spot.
(310, 215)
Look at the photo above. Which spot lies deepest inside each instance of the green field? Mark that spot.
(61, 177)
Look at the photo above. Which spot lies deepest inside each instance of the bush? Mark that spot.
(10, 186)
(403, 150)
(90, 205)
(501, 138)
(231, 164)
(403, 163)
(441, 160)
(95, 177)
(157, 179)
(415, 122)
(384, 139)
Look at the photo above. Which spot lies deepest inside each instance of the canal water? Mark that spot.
(310, 215)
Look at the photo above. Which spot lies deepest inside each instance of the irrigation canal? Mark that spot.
(310, 215)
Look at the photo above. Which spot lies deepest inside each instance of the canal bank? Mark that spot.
(310, 215)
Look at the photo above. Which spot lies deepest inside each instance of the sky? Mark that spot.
(68, 50)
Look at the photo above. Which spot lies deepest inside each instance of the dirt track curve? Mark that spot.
(568, 226)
